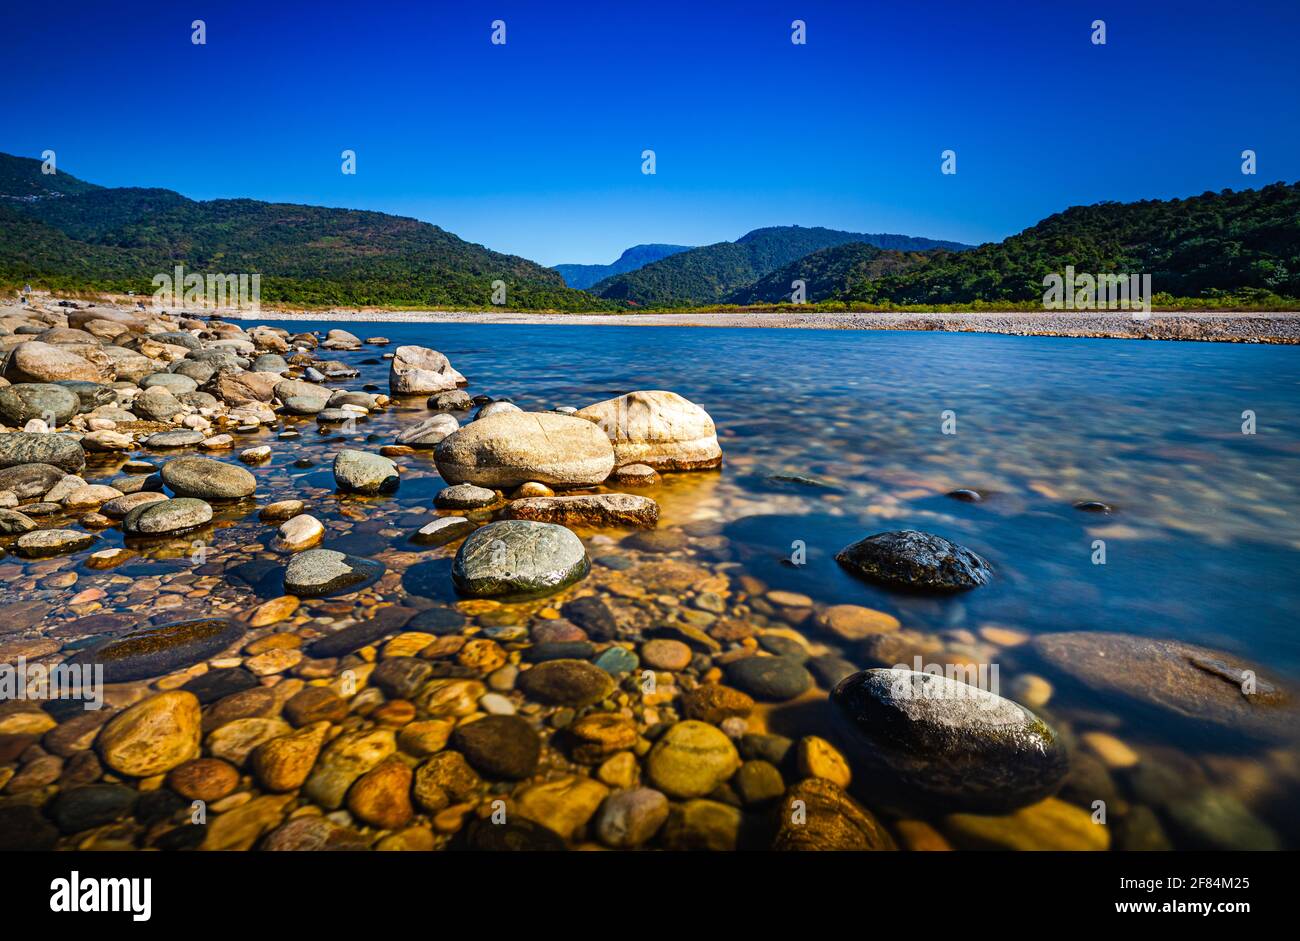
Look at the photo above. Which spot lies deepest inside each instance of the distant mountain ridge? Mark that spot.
(638, 256)
(711, 273)
(67, 234)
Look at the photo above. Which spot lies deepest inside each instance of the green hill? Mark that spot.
(710, 274)
(1242, 243)
(829, 274)
(71, 234)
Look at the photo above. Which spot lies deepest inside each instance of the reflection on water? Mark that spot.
(829, 436)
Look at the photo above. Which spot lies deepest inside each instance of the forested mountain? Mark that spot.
(710, 274)
(829, 274)
(584, 276)
(59, 232)
(1242, 243)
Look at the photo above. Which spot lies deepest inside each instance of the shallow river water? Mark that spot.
(829, 436)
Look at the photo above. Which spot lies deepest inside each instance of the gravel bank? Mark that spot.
(1236, 327)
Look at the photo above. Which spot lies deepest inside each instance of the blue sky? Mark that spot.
(535, 147)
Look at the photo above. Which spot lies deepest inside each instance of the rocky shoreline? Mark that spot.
(529, 660)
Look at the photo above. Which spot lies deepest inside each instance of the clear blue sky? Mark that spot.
(534, 147)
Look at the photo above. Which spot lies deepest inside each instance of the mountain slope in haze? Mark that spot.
(119, 238)
(709, 274)
(829, 273)
(1202, 246)
(638, 256)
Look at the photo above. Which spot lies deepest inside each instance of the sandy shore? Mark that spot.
(1239, 327)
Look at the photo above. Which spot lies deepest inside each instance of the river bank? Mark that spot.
(1234, 327)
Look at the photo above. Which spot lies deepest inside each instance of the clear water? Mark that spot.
(1202, 544)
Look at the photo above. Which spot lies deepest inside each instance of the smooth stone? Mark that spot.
(499, 746)
(313, 834)
(43, 543)
(180, 438)
(157, 404)
(1197, 683)
(691, 759)
(166, 517)
(597, 510)
(715, 703)
(936, 742)
(563, 806)
(443, 530)
(92, 805)
(207, 479)
(464, 497)
(175, 383)
(401, 677)
(854, 622)
(497, 407)
(205, 779)
(1213, 820)
(107, 442)
(1050, 824)
(34, 361)
(561, 650)
(25, 401)
(318, 572)
(344, 760)
(281, 510)
(663, 654)
(444, 778)
(217, 684)
(365, 473)
(509, 449)
(155, 651)
(758, 782)
(235, 740)
(382, 796)
(617, 661)
(153, 736)
(454, 400)
(385, 621)
(915, 561)
(830, 820)
(428, 433)
(657, 428)
(631, 818)
(769, 679)
(418, 370)
(14, 523)
(593, 615)
(23, 447)
(566, 683)
(702, 825)
(300, 532)
(519, 557)
(635, 475)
